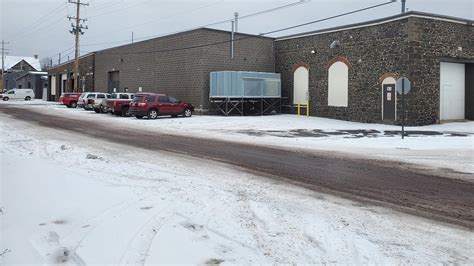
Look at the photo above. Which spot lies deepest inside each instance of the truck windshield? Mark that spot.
(114, 96)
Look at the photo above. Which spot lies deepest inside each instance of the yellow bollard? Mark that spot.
(307, 108)
(299, 106)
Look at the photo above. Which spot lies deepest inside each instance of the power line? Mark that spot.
(261, 34)
(113, 11)
(176, 14)
(203, 26)
(23, 33)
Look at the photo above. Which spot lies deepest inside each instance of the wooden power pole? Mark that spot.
(77, 28)
(3, 63)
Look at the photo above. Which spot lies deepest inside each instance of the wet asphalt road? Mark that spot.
(381, 183)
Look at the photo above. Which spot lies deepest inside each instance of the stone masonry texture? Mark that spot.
(411, 47)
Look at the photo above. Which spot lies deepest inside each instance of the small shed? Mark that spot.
(245, 92)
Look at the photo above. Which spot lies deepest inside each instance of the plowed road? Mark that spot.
(368, 181)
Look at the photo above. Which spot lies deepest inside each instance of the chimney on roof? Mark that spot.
(403, 6)
(36, 56)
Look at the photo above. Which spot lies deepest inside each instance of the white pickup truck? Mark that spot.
(96, 101)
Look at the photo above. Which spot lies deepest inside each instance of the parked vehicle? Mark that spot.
(16, 94)
(83, 99)
(98, 104)
(70, 99)
(153, 105)
(119, 103)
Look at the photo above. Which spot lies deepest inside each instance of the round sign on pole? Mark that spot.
(403, 84)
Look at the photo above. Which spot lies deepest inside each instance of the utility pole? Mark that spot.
(59, 59)
(3, 62)
(77, 31)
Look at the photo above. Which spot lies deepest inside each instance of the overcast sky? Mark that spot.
(41, 27)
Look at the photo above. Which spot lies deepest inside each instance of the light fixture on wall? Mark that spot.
(313, 51)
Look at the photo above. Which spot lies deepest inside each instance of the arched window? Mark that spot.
(300, 85)
(338, 84)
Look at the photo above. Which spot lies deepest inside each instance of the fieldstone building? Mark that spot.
(349, 72)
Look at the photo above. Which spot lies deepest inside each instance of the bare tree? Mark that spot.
(45, 63)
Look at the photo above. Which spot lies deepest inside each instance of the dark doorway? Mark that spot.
(389, 102)
(113, 85)
(469, 91)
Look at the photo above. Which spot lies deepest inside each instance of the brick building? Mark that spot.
(180, 64)
(61, 77)
(349, 72)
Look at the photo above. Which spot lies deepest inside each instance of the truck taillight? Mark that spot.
(141, 104)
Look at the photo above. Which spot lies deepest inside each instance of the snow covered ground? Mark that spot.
(445, 146)
(66, 198)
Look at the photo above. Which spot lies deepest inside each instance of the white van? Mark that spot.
(13, 94)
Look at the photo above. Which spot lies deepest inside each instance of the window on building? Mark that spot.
(300, 85)
(338, 84)
(29, 84)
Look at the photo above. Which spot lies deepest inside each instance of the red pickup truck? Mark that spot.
(69, 99)
(119, 104)
(153, 105)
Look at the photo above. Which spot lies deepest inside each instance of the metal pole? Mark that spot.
(403, 5)
(59, 59)
(3, 64)
(236, 19)
(132, 36)
(403, 108)
(232, 42)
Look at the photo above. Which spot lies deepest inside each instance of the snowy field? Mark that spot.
(75, 200)
(445, 146)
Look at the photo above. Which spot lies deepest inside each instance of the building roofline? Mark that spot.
(183, 32)
(378, 22)
(70, 61)
(41, 73)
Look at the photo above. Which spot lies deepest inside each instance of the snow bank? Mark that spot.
(62, 206)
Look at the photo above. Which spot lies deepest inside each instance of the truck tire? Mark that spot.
(27, 98)
(117, 113)
(96, 110)
(72, 105)
(152, 114)
(187, 112)
(6, 99)
(125, 112)
(139, 116)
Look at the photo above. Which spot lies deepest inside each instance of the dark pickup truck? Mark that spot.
(119, 104)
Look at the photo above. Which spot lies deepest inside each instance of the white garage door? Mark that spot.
(453, 90)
